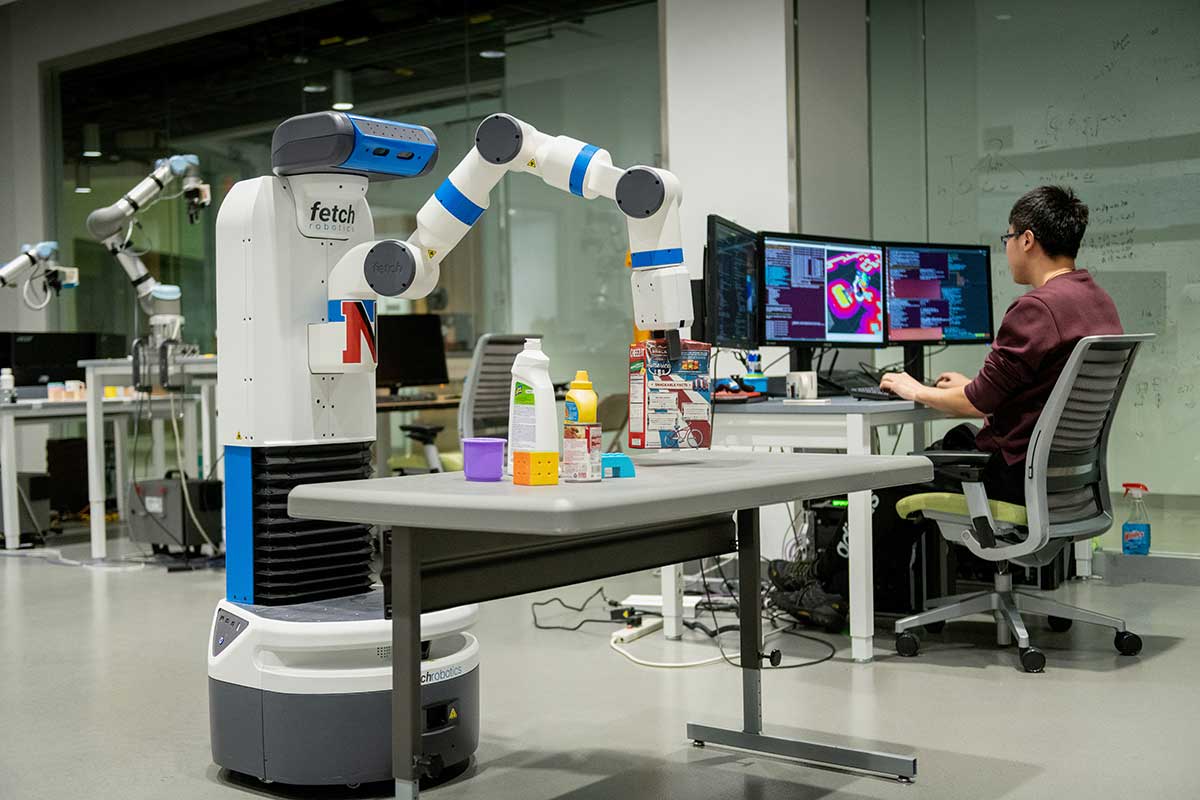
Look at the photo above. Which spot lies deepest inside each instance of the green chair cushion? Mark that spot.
(949, 503)
(451, 462)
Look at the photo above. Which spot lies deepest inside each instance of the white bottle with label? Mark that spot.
(532, 416)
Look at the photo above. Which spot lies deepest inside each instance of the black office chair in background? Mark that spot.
(1066, 500)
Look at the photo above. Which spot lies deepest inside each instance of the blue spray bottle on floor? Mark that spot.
(1135, 533)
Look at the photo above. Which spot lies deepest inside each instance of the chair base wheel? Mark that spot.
(907, 644)
(1032, 659)
(1059, 624)
(1127, 643)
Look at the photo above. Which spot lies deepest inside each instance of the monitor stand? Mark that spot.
(800, 359)
(914, 361)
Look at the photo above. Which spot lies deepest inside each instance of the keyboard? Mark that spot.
(870, 393)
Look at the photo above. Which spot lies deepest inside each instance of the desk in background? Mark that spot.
(40, 411)
(98, 373)
(455, 542)
(841, 424)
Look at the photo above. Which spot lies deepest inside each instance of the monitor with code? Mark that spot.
(818, 290)
(939, 293)
(731, 280)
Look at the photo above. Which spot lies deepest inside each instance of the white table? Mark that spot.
(201, 371)
(457, 542)
(41, 411)
(842, 424)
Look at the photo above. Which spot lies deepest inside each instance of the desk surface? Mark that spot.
(202, 364)
(385, 404)
(836, 405)
(698, 484)
(47, 409)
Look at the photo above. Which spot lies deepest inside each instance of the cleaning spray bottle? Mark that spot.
(532, 419)
(1135, 533)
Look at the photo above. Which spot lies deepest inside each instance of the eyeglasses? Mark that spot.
(1005, 237)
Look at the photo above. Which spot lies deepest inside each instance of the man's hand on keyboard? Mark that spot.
(901, 384)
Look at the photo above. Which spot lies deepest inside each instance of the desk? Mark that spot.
(458, 542)
(842, 424)
(32, 411)
(383, 433)
(102, 372)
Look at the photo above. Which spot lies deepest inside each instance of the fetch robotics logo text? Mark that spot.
(333, 218)
(439, 675)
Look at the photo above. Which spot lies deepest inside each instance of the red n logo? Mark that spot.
(359, 327)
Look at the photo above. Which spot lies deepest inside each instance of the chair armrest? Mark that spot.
(423, 434)
(963, 466)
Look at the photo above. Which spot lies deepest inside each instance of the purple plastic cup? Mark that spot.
(483, 459)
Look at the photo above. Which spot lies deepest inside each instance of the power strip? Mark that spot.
(628, 634)
(653, 602)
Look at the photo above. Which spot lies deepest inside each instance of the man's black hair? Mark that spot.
(1055, 215)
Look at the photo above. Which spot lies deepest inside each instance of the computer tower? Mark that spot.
(158, 514)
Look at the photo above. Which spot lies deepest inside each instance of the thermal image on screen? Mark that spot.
(854, 292)
(818, 291)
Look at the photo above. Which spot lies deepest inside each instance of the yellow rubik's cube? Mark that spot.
(535, 469)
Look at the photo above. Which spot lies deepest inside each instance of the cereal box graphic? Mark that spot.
(669, 408)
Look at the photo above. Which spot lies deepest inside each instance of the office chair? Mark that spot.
(613, 416)
(1066, 500)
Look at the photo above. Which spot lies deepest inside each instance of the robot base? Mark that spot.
(302, 694)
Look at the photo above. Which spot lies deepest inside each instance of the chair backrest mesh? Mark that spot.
(484, 407)
(1075, 423)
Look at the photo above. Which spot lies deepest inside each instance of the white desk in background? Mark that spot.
(41, 411)
(201, 371)
(841, 424)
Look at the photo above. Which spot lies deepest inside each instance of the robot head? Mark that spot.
(336, 142)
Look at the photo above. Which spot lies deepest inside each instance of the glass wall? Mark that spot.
(539, 261)
(974, 103)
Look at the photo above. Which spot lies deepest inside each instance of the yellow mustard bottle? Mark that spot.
(581, 399)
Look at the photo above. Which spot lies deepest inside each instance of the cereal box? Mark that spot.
(669, 408)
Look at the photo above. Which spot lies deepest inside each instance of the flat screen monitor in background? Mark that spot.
(939, 293)
(412, 351)
(731, 283)
(45, 357)
(818, 290)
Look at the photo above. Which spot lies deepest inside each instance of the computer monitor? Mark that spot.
(51, 356)
(819, 290)
(412, 351)
(939, 293)
(732, 285)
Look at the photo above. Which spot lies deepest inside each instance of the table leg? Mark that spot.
(8, 482)
(862, 577)
(158, 446)
(189, 455)
(406, 663)
(95, 462)
(672, 601)
(120, 486)
(751, 736)
(383, 443)
(208, 427)
(750, 620)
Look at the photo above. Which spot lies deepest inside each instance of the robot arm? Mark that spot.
(110, 225)
(24, 267)
(648, 197)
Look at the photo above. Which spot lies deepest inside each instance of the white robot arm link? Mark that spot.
(648, 197)
(110, 225)
(25, 268)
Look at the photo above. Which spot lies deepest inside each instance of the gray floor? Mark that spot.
(102, 694)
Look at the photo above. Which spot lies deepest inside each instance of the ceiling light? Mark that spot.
(492, 54)
(312, 87)
(83, 178)
(357, 41)
(91, 140)
(1004, 17)
(343, 90)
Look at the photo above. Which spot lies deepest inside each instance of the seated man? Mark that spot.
(1035, 339)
